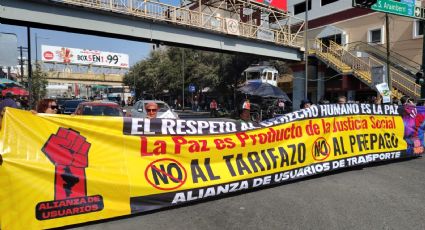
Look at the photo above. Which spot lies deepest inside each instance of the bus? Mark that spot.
(118, 93)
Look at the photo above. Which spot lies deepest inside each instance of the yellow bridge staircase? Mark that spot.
(345, 62)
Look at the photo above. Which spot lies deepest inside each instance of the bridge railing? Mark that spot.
(184, 16)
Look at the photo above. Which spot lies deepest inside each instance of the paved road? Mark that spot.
(384, 196)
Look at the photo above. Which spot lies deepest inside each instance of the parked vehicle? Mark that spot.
(164, 110)
(99, 108)
(118, 93)
(61, 101)
(261, 73)
(70, 106)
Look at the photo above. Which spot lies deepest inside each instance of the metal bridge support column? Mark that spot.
(320, 81)
(298, 91)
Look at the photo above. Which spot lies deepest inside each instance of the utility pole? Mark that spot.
(29, 67)
(36, 50)
(306, 49)
(183, 78)
(22, 64)
(387, 38)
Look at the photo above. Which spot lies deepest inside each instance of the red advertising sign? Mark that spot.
(84, 56)
(279, 4)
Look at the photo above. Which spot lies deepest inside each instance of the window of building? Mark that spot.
(325, 2)
(300, 7)
(375, 36)
(418, 31)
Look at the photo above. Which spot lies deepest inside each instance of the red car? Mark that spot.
(99, 108)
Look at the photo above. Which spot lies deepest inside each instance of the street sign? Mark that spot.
(407, 8)
(192, 88)
(394, 7)
(420, 12)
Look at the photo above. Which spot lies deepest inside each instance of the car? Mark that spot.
(70, 106)
(164, 110)
(100, 108)
(61, 101)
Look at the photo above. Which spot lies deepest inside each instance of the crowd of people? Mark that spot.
(50, 106)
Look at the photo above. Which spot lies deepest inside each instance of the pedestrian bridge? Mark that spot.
(220, 26)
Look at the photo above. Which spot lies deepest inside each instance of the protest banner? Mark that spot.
(60, 170)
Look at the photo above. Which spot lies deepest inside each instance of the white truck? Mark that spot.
(118, 93)
(261, 73)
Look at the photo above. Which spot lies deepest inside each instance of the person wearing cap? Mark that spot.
(151, 110)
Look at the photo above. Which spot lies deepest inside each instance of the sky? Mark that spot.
(136, 50)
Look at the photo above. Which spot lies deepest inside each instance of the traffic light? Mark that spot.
(364, 3)
(420, 78)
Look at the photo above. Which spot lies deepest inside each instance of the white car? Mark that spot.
(164, 111)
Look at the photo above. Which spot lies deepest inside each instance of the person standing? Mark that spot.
(405, 100)
(195, 104)
(306, 103)
(246, 104)
(245, 115)
(8, 102)
(213, 108)
(281, 105)
(119, 99)
(342, 100)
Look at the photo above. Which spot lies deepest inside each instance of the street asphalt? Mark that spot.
(381, 196)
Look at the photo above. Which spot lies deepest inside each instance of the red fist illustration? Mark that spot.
(67, 148)
(68, 151)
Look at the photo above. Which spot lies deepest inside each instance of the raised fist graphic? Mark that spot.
(68, 151)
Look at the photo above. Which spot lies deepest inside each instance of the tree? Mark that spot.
(163, 70)
(38, 85)
(152, 75)
(281, 66)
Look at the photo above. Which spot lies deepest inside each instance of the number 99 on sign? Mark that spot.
(112, 59)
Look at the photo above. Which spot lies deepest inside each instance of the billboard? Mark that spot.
(68, 55)
(279, 4)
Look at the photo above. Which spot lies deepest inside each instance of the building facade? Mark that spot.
(356, 30)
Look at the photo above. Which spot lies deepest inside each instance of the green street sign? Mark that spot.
(420, 13)
(403, 8)
(406, 8)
